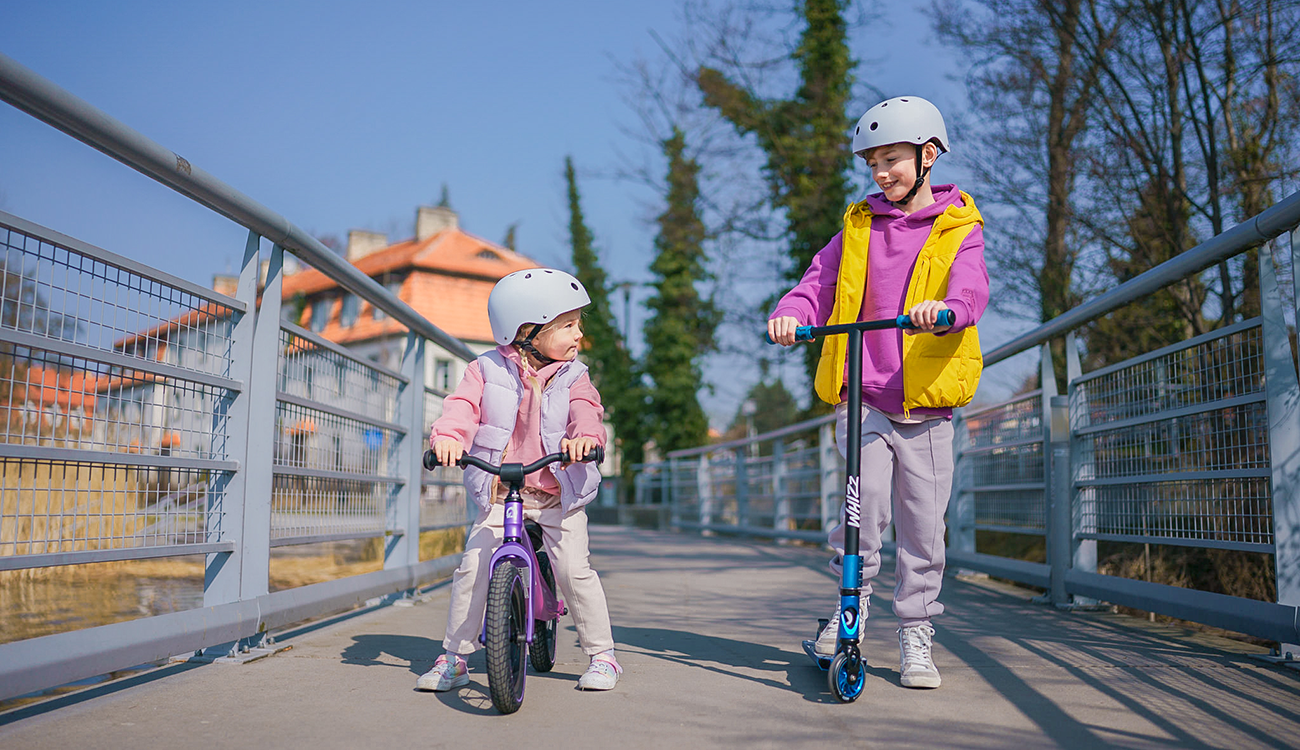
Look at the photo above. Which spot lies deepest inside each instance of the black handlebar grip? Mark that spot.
(431, 460)
(595, 455)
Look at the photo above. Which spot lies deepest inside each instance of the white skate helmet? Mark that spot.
(537, 295)
(903, 119)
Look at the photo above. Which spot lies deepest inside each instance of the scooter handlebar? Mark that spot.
(808, 333)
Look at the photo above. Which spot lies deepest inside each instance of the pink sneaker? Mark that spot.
(445, 675)
(601, 674)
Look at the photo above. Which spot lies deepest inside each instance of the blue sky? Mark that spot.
(342, 116)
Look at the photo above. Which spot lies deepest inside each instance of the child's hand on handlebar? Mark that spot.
(448, 450)
(577, 448)
(924, 315)
(781, 330)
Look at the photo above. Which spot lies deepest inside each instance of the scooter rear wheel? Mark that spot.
(846, 677)
(506, 641)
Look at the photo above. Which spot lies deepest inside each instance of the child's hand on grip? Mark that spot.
(924, 315)
(781, 330)
(576, 448)
(448, 450)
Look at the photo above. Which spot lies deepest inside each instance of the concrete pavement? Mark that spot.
(708, 633)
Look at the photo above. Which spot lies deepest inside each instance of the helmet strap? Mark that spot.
(921, 172)
(527, 346)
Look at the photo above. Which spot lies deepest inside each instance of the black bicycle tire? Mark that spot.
(541, 653)
(506, 650)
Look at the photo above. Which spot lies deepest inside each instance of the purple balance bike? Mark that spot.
(845, 671)
(523, 610)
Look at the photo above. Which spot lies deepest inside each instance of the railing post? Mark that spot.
(742, 486)
(829, 467)
(1085, 550)
(704, 488)
(780, 495)
(245, 510)
(1060, 526)
(245, 513)
(1283, 394)
(1056, 466)
(402, 544)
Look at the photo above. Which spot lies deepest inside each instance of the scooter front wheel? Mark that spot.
(506, 637)
(846, 677)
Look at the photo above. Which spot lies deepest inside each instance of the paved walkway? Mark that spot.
(708, 631)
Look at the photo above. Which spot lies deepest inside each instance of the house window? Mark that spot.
(320, 312)
(442, 375)
(348, 314)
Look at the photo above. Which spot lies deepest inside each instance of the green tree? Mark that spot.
(511, 232)
(613, 370)
(803, 137)
(771, 407)
(681, 329)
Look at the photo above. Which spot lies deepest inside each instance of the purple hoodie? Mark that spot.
(896, 241)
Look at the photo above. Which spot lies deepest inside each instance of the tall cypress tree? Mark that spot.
(613, 371)
(805, 137)
(681, 329)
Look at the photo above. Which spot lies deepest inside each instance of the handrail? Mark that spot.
(1278, 218)
(42, 99)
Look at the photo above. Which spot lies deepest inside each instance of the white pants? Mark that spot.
(564, 538)
(913, 463)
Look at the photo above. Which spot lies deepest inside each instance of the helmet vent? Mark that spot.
(528, 276)
(902, 100)
(575, 286)
(875, 125)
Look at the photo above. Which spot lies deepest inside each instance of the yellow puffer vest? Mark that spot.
(938, 371)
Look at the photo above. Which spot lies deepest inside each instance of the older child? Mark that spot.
(926, 255)
(524, 399)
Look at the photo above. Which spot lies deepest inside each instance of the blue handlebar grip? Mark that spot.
(945, 318)
(803, 333)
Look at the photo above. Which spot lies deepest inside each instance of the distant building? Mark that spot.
(444, 273)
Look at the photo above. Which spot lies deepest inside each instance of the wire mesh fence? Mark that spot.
(1173, 447)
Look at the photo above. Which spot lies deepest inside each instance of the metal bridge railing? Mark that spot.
(144, 416)
(1195, 444)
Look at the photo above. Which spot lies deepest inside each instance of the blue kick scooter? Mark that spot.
(845, 670)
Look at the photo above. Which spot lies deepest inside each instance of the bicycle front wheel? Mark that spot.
(506, 642)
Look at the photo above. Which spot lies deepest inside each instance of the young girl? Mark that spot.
(526, 398)
(926, 255)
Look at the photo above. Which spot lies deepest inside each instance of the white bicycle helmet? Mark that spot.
(903, 119)
(537, 295)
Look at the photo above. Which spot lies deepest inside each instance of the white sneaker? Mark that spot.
(829, 639)
(601, 674)
(915, 666)
(445, 675)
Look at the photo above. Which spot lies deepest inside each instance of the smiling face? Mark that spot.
(893, 167)
(559, 340)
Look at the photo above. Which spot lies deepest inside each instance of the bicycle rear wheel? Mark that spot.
(506, 642)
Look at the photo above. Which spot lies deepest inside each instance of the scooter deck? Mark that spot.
(824, 662)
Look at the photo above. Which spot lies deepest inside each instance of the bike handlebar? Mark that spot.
(596, 455)
(808, 333)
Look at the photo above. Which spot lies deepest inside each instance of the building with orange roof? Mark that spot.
(443, 272)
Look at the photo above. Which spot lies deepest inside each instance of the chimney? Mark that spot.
(429, 220)
(362, 243)
(224, 283)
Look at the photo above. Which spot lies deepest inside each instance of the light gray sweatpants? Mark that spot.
(913, 463)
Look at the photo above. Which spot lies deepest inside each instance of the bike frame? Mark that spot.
(542, 602)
